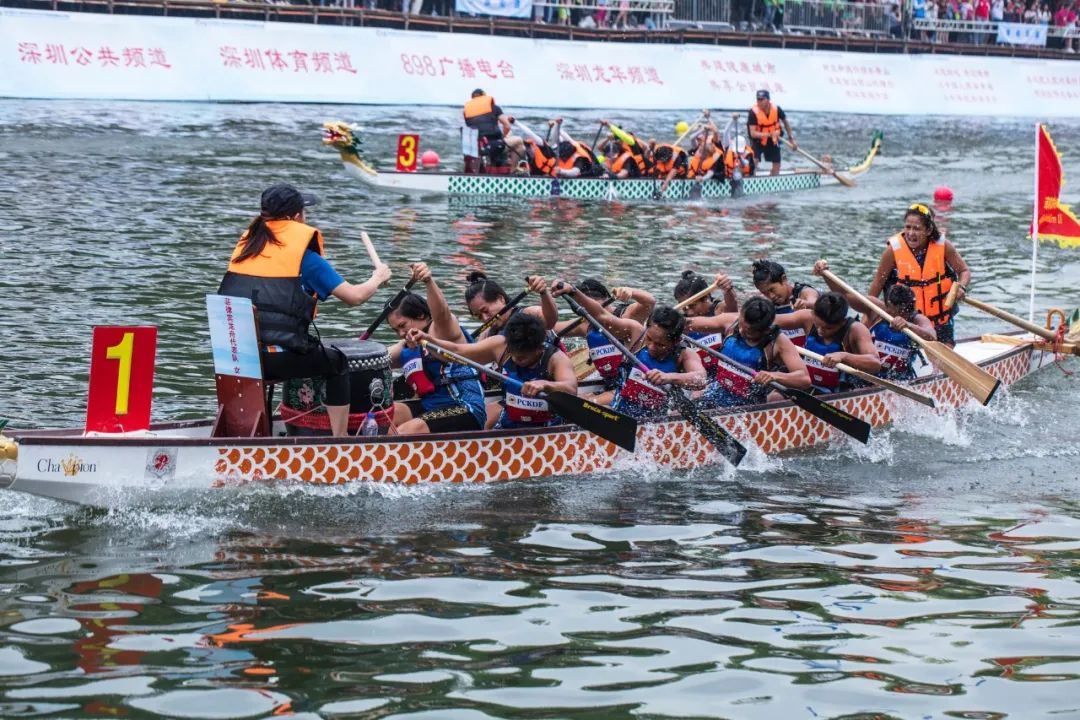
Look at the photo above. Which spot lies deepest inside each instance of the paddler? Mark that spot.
(707, 157)
(485, 298)
(278, 264)
(699, 315)
(896, 350)
(763, 126)
(920, 257)
(574, 158)
(669, 362)
(539, 155)
(787, 296)
(493, 127)
(839, 338)
(669, 162)
(751, 337)
(739, 160)
(451, 398)
(522, 352)
(634, 158)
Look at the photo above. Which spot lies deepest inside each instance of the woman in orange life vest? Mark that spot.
(523, 353)
(635, 157)
(751, 338)
(539, 156)
(485, 298)
(669, 162)
(707, 157)
(920, 257)
(896, 349)
(830, 332)
(763, 126)
(278, 264)
(451, 398)
(771, 280)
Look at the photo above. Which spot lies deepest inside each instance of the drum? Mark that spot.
(370, 386)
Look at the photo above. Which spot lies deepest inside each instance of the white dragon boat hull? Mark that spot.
(66, 465)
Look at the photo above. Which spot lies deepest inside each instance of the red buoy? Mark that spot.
(429, 158)
(943, 193)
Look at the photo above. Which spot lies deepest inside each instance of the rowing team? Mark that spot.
(621, 154)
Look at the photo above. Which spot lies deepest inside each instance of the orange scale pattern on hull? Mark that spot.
(675, 444)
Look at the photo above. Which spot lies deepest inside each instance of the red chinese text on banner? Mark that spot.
(121, 379)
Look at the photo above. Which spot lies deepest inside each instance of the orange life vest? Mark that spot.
(480, 114)
(637, 166)
(744, 162)
(662, 168)
(766, 123)
(539, 162)
(929, 282)
(699, 166)
(580, 152)
(279, 260)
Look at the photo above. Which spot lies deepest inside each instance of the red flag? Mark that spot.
(1056, 220)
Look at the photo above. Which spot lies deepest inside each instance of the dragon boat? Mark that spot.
(343, 137)
(70, 465)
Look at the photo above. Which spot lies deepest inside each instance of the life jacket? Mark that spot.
(442, 385)
(604, 356)
(744, 162)
(713, 341)
(637, 396)
(896, 350)
(796, 335)
(733, 386)
(541, 158)
(581, 152)
(271, 280)
(634, 164)
(766, 123)
(641, 162)
(699, 166)
(521, 411)
(930, 282)
(677, 162)
(826, 379)
(480, 114)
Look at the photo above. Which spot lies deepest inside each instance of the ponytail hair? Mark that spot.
(413, 307)
(593, 288)
(256, 238)
(759, 313)
(831, 307)
(690, 284)
(767, 271)
(478, 284)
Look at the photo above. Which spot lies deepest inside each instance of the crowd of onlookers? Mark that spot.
(1031, 12)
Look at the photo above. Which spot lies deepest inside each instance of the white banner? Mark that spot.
(46, 54)
(505, 8)
(1021, 34)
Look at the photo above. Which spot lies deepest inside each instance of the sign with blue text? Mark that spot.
(1021, 34)
(504, 8)
(232, 336)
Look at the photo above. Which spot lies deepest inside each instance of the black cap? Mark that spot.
(477, 92)
(283, 200)
(762, 94)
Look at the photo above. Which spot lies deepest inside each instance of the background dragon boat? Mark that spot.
(344, 139)
(69, 465)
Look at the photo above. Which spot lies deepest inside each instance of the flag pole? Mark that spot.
(1035, 224)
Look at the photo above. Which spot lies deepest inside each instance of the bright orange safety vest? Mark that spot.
(282, 260)
(766, 123)
(929, 282)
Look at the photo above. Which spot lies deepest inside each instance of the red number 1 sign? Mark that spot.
(121, 379)
(406, 152)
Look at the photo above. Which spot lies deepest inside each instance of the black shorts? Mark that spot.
(328, 363)
(454, 418)
(770, 152)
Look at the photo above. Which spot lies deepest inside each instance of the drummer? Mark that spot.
(451, 398)
(522, 353)
(279, 265)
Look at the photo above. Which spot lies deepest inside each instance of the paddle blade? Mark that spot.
(842, 421)
(965, 373)
(717, 436)
(613, 426)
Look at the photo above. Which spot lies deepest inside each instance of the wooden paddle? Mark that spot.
(965, 373)
(845, 181)
(874, 379)
(387, 309)
(502, 311)
(716, 435)
(1010, 318)
(842, 421)
(613, 426)
(694, 125)
(370, 246)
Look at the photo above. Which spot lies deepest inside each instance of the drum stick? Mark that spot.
(370, 247)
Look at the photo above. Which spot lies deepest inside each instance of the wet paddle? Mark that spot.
(716, 435)
(979, 383)
(845, 181)
(874, 379)
(1019, 322)
(387, 309)
(613, 426)
(842, 421)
